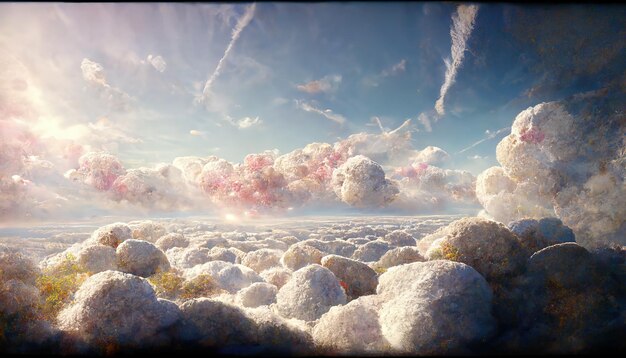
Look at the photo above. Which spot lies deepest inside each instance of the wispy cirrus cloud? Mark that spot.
(391, 71)
(488, 135)
(328, 113)
(425, 119)
(462, 25)
(243, 21)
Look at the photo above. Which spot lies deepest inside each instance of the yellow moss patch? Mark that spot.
(58, 284)
(167, 284)
(380, 270)
(449, 252)
(171, 285)
(200, 286)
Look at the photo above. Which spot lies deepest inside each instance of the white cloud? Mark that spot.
(394, 70)
(248, 122)
(424, 119)
(326, 84)
(93, 73)
(462, 26)
(490, 135)
(241, 25)
(279, 101)
(328, 113)
(157, 62)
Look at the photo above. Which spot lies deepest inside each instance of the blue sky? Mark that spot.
(382, 60)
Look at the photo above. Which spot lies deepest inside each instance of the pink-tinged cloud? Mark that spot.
(326, 84)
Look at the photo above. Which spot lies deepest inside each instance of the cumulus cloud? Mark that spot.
(157, 62)
(243, 21)
(34, 186)
(428, 188)
(431, 155)
(326, 84)
(361, 182)
(545, 171)
(328, 113)
(248, 122)
(93, 73)
(462, 26)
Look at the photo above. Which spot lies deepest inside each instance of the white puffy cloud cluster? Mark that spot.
(341, 286)
(425, 187)
(43, 162)
(161, 188)
(431, 155)
(558, 163)
(121, 308)
(361, 182)
(22, 328)
(99, 170)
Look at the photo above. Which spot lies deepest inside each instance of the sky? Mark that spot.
(152, 82)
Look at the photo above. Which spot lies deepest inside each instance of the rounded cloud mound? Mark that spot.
(140, 258)
(358, 278)
(432, 155)
(112, 234)
(435, 307)
(351, 329)
(539, 234)
(119, 308)
(310, 293)
(564, 159)
(361, 182)
(97, 258)
(487, 246)
(100, 170)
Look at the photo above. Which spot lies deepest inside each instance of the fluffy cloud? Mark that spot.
(157, 62)
(361, 182)
(427, 188)
(432, 155)
(248, 122)
(93, 73)
(546, 171)
(45, 178)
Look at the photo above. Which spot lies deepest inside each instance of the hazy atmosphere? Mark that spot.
(333, 175)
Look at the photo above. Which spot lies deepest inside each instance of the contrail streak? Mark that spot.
(241, 24)
(462, 26)
(490, 136)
